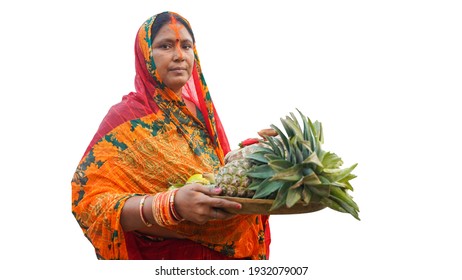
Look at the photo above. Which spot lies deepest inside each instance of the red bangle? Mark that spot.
(175, 214)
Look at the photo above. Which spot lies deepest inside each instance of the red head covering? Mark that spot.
(150, 88)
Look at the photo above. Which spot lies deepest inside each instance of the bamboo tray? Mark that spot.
(262, 206)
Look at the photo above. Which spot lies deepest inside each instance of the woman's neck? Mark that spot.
(178, 92)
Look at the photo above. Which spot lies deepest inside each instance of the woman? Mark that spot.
(156, 137)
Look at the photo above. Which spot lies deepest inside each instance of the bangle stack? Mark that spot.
(163, 209)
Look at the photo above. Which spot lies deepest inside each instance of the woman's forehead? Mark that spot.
(174, 31)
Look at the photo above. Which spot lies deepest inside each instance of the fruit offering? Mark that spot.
(288, 166)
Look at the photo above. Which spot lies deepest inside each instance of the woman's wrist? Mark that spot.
(163, 209)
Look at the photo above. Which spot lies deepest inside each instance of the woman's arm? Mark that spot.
(193, 202)
(131, 220)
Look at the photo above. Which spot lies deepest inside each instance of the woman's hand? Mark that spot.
(267, 132)
(194, 203)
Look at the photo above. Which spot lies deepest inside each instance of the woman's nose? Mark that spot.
(178, 53)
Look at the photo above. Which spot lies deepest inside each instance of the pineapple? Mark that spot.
(232, 178)
(289, 168)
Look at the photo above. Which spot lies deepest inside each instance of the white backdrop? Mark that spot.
(382, 76)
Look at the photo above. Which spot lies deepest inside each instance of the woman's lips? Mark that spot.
(177, 69)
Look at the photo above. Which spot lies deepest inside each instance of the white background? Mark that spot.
(382, 76)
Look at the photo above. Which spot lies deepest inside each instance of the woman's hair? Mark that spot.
(166, 17)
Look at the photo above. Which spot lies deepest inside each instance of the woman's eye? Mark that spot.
(165, 46)
(187, 47)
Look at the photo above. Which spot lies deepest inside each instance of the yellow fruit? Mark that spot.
(197, 178)
(210, 177)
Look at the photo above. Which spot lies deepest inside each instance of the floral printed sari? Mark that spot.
(146, 143)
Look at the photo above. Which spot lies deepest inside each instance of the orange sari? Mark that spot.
(146, 143)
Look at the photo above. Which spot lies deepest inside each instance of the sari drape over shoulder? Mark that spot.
(146, 143)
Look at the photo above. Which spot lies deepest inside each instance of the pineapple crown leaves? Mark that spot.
(292, 167)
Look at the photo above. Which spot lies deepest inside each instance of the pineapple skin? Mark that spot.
(231, 177)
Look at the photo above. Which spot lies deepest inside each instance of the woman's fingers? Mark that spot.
(267, 132)
(223, 203)
(194, 203)
(208, 190)
(221, 214)
(216, 201)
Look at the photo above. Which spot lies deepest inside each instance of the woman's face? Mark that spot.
(173, 54)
